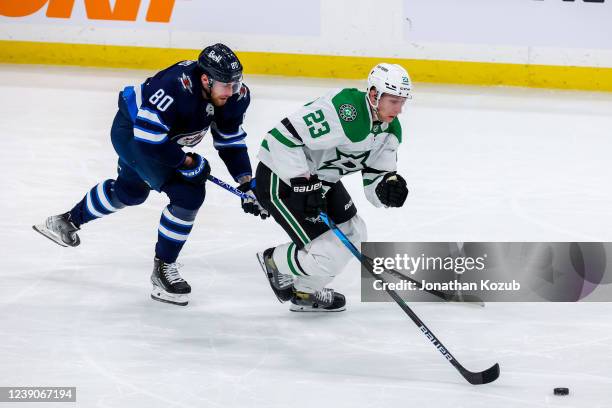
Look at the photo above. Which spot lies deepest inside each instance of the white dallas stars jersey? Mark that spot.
(331, 137)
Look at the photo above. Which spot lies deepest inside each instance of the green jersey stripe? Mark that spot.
(279, 136)
(367, 182)
(290, 258)
(295, 225)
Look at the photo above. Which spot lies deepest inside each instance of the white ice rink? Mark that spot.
(482, 164)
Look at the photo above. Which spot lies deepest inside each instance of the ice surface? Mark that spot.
(483, 164)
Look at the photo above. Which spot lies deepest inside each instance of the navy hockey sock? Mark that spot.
(175, 225)
(101, 200)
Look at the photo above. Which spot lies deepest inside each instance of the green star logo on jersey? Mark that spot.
(346, 163)
(347, 112)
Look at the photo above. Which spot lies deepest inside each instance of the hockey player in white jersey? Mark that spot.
(302, 160)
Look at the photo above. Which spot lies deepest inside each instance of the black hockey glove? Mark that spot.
(251, 205)
(307, 196)
(392, 190)
(197, 172)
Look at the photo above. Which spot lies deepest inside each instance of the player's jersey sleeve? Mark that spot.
(313, 127)
(153, 107)
(385, 162)
(228, 134)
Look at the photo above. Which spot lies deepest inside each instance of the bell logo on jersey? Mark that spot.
(158, 11)
(210, 109)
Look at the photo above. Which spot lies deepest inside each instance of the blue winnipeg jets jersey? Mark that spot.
(169, 111)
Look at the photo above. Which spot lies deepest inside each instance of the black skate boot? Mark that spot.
(281, 284)
(324, 300)
(168, 286)
(59, 229)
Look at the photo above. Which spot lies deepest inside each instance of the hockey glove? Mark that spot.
(307, 196)
(392, 190)
(251, 205)
(197, 172)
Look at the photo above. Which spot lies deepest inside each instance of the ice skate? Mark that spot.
(59, 229)
(168, 285)
(324, 300)
(281, 284)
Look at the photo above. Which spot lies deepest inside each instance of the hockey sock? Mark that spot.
(101, 200)
(175, 225)
(286, 260)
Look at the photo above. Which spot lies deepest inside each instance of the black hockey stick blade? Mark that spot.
(484, 377)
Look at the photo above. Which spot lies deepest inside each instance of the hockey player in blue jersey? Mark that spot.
(169, 111)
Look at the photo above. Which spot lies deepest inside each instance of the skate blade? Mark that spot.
(262, 263)
(306, 309)
(42, 230)
(159, 294)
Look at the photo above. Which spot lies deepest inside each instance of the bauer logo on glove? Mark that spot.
(197, 172)
(307, 196)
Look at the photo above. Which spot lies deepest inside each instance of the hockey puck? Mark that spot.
(561, 391)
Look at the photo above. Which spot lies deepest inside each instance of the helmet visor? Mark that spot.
(234, 86)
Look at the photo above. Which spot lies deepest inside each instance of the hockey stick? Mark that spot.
(474, 378)
(228, 187)
(367, 262)
(444, 296)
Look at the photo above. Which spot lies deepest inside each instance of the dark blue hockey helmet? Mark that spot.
(221, 64)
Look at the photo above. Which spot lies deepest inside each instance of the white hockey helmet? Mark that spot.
(392, 79)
